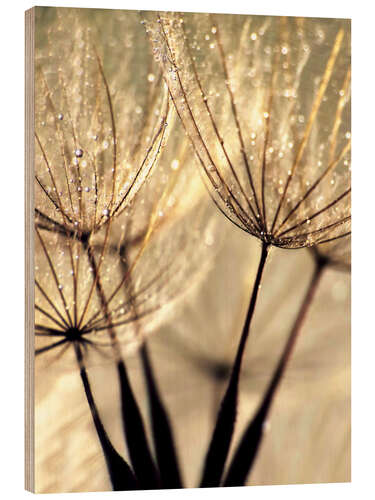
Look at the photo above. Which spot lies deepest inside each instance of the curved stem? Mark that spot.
(222, 435)
(121, 475)
(247, 449)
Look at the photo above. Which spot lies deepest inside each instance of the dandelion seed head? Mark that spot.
(276, 134)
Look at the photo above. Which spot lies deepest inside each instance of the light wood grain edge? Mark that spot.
(29, 250)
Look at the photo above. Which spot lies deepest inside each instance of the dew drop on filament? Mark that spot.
(175, 164)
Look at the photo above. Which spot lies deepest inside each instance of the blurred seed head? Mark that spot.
(337, 253)
(114, 244)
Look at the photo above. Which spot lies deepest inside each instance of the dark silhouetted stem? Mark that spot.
(161, 429)
(135, 435)
(121, 475)
(246, 452)
(222, 436)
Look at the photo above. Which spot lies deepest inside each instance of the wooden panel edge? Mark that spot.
(29, 250)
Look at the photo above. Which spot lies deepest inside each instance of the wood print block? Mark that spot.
(188, 250)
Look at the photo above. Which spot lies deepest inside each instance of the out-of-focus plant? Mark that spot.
(268, 115)
(336, 255)
(112, 249)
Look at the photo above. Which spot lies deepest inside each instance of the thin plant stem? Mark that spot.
(246, 452)
(122, 477)
(222, 435)
(135, 435)
(165, 449)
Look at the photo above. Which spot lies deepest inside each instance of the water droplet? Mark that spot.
(171, 201)
(60, 116)
(348, 135)
(209, 239)
(105, 211)
(150, 77)
(253, 36)
(175, 164)
(60, 287)
(284, 50)
(213, 29)
(252, 72)
(79, 153)
(87, 189)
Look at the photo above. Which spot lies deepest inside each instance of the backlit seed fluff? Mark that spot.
(268, 113)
